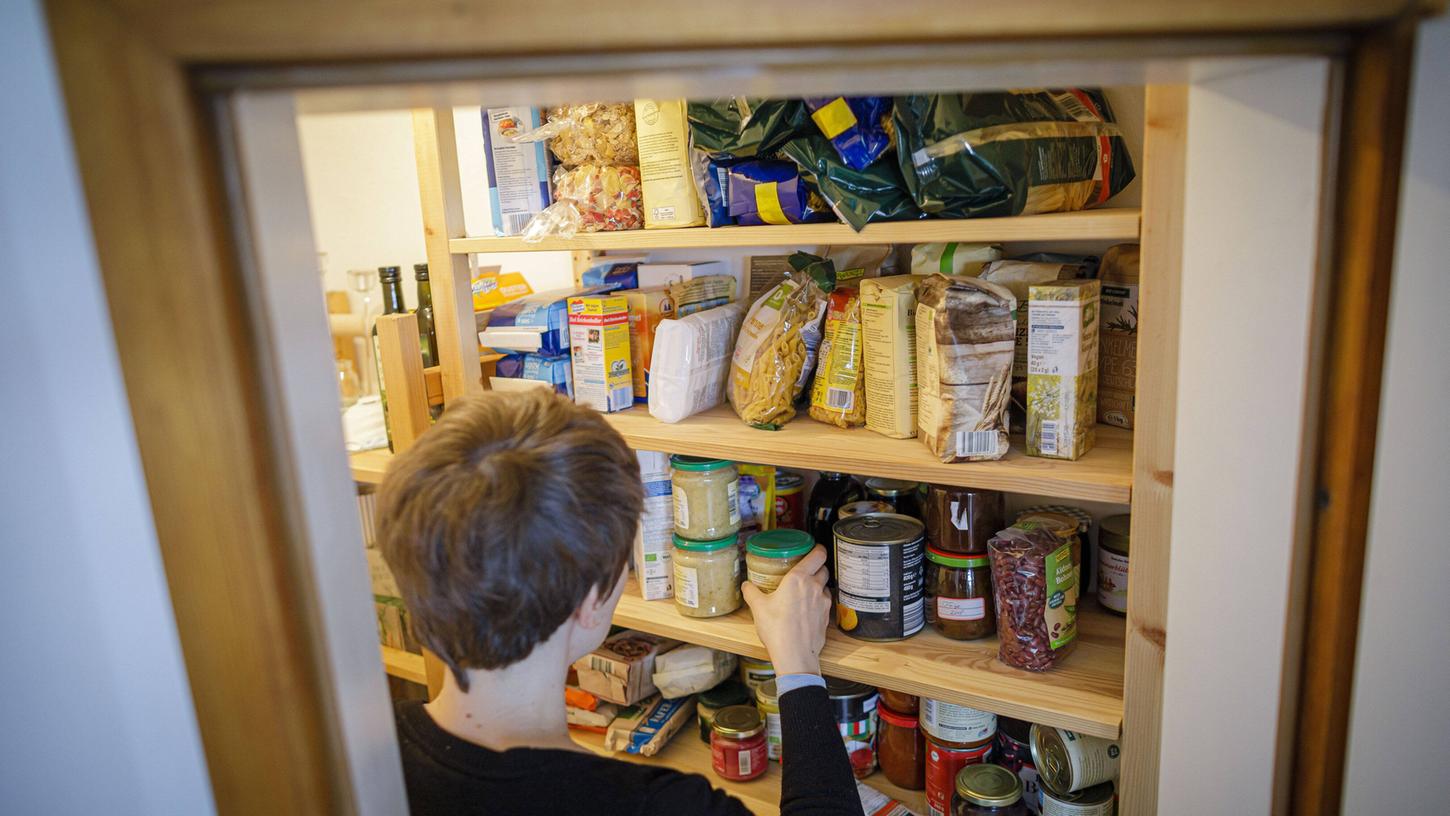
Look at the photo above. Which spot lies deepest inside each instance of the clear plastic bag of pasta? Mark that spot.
(589, 198)
(838, 395)
(775, 353)
(588, 133)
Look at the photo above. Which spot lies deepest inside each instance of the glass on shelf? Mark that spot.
(362, 282)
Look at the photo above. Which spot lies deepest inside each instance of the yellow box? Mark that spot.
(599, 346)
(492, 288)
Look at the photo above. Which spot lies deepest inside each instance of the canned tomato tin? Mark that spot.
(861, 508)
(1095, 801)
(790, 500)
(942, 764)
(1068, 761)
(855, 708)
(949, 722)
(880, 588)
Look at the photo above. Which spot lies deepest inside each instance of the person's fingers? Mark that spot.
(813, 560)
(751, 593)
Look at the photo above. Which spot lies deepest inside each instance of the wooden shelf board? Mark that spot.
(1104, 474)
(1108, 224)
(404, 665)
(1085, 694)
(369, 466)
(687, 753)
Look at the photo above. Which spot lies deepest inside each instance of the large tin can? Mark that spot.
(880, 586)
(1095, 801)
(1068, 761)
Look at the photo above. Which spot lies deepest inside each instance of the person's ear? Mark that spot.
(591, 611)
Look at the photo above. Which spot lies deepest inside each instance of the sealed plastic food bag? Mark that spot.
(588, 133)
(838, 395)
(691, 361)
(775, 353)
(1010, 153)
(767, 192)
(1035, 587)
(964, 344)
(856, 126)
(741, 128)
(590, 198)
(954, 259)
(858, 197)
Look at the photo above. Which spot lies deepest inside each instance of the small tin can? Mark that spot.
(790, 500)
(949, 722)
(903, 496)
(1095, 801)
(880, 585)
(855, 708)
(861, 508)
(1113, 563)
(1068, 761)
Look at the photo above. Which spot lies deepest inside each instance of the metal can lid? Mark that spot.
(951, 559)
(1049, 756)
(738, 722)
(787, 481)
(879, 528)
(780, 543)
(891, 487)
(697, 463)
(861, 508)
(988, 785)
(710, 545)
(728, 693)
(1098, 794)
(838, 689)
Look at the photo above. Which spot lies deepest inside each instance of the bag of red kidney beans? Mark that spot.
(1036, 597)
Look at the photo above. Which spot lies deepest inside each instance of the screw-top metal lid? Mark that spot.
(389, 274)
(988, 785)
(780, 543)
(420, 272)
(738, 722)
(879, 528)
(891, 487)
(861, 508)
(784, 480)
(1060, 524)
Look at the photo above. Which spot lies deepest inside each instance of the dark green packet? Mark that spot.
(859, 197)
(742, 128)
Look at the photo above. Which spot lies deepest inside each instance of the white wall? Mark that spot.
(1399, 746)
(96, 711)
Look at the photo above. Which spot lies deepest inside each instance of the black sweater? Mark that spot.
(448, 776)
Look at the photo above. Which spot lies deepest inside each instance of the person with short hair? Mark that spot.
(508, 527)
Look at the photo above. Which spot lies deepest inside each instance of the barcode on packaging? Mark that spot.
(976, 443)
(514, 223)
(842, 398)
(1049, 436)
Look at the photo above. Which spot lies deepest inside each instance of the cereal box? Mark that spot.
(888, 327)
(599, 339)
(518, 172)
(1062, 368)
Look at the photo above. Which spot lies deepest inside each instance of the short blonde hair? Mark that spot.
(501, 518)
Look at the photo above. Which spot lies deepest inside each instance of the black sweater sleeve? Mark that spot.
(816, 774)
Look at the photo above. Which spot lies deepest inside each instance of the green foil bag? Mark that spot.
(741, 128)
(858, 197)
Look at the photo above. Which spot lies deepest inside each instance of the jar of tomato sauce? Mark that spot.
(737, 743)
(943, 761)
(900, 749)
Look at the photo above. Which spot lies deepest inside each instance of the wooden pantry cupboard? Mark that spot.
(1269, 178)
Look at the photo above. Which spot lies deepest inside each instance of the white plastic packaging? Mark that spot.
(693, 670)
(691, 361)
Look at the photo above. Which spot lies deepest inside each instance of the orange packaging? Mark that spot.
(647, 309)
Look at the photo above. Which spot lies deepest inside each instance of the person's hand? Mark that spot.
(792, 620)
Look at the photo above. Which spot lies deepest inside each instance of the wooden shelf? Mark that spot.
(1108, 224)
(688, 754)
(1104, 474)
(404, 665)
(368, 467)
(1085, 694)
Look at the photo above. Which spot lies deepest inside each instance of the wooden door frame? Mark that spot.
(218, 466)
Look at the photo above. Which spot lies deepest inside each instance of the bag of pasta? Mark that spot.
(775, 353)
(838, 395)
(965, 337)
(588, 133)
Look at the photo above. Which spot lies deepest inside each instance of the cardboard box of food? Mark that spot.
(492, 288)
(599, 340)
(1062, 368)
(620, 670)
(888, 330)
(1118, 364)
(663, 274)
(518, 172)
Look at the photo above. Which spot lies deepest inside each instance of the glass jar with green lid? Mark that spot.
(706, 496)
(771, 554)
(988, 790)
(707, 576)
(959, 595)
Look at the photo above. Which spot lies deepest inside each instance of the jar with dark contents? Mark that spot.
(709, 702)
(855, 707)
(903, 496)
(987, 790)
(959, 595)
(901, 749)
(1013, 751)
(737, 743)
(900, 701)
(962, 519)
(832, 491)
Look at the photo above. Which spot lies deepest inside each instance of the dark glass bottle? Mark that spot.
(831, 491)
(427, 336)
(392, 282)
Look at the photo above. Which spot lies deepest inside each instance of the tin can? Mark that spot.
(861, 508)
(880, 585)
(790, 500)
(754, 673)
(1113, 563)
(1068, 761)
(949, 722)
(855, 708)
(903, 496)
(963, 519)
(942, 764)
(1095, 801)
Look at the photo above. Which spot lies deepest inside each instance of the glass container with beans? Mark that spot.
(959, 595)
(707, 576)
(901, 749)
(771, 554)
(1035, 586)
(737, 743)
(903, 496)
(706, 497)
(987, 790)
(962, 519)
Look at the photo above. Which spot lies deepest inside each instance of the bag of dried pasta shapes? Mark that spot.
(597, 185)
(775, 352)
(838, 395)
(965, 336)
(1035, 590)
